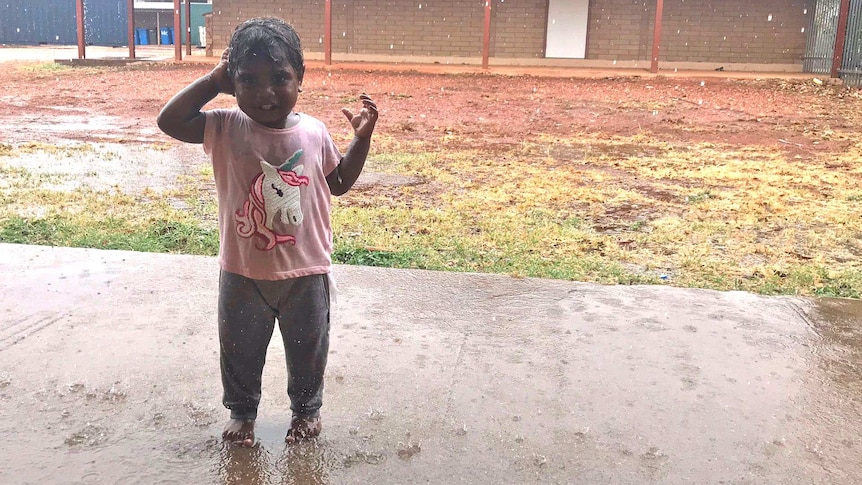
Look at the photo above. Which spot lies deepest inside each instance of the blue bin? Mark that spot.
(142, 37)
(166, 35)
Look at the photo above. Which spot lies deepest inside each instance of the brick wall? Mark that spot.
(439, 28)
(729, 31)
(620, 29)
(306, 16)
(720, 31)
(518, 28)
(410, 28)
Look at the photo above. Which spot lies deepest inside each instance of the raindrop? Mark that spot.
(344, 34)
(615, 61)
(655, 112)
(769, 19)
(420, 5)
(703, 83)
(804, 11)
(803, 30)
(391, 46)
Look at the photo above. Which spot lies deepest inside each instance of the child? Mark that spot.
(274, 170)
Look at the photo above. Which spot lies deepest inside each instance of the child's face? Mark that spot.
(266, 91)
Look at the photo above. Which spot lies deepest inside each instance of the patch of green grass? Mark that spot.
(43, 232)
(32, 213)
(575, 222)
(637, 226)
(60, 150)
(817, 281)
(698, 197)
(534, 224)
(345, 254)
(44, 67)
(428, 238)
(155, 236)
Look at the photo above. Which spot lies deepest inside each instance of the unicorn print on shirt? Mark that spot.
(275, 190)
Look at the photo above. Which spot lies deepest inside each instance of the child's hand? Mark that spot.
(363, 122)
(220, 75)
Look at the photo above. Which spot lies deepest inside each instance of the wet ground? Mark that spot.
(109, 374)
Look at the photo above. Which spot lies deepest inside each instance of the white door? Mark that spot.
(567, 28)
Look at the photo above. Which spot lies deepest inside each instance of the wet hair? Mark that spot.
(268, 37)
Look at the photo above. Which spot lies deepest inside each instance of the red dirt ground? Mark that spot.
(121, 104)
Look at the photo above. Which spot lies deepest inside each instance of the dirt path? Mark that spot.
(120, 105)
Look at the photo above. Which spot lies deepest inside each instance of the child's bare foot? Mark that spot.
(302, 428)
(239, 432)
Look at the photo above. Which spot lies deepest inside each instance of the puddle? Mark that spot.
(79, 123)
(130, 169)
(53, 123)
(839, 354)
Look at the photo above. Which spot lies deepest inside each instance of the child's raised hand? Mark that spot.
(364, 121)
(220, 74)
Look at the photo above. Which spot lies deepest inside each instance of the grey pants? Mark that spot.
(247, 310)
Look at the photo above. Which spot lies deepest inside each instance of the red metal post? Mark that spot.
(178, 26)
(188, 27)
(327, 35)
(838, 55)
(79, 14)
(486, 35)
(656, 38)
(131, 7)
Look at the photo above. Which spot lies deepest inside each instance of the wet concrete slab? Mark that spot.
(94, 55)
(109, 374)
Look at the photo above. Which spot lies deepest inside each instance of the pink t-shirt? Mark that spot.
(273, 198)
